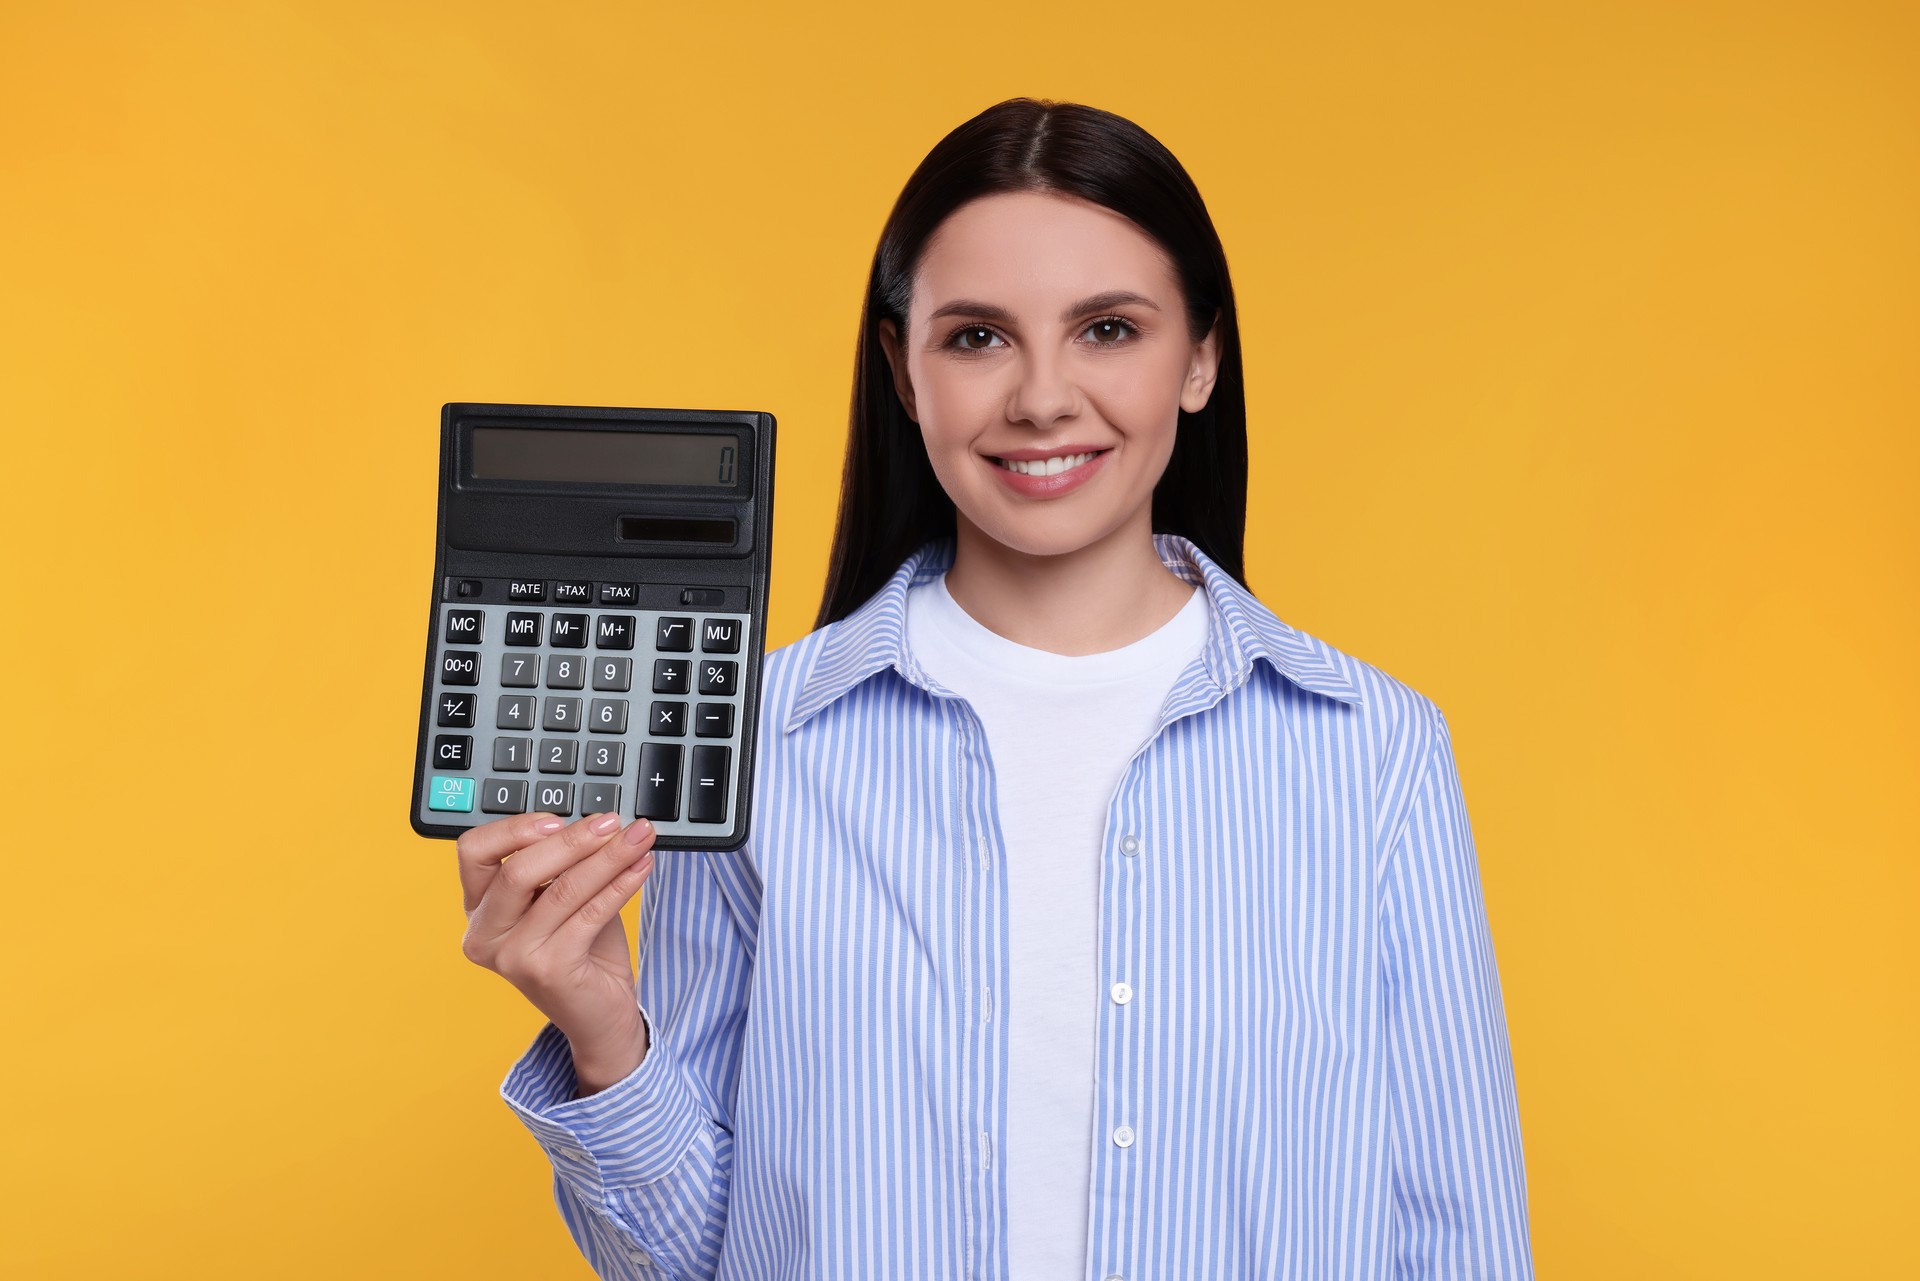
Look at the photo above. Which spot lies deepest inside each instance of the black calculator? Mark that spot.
(598, 620)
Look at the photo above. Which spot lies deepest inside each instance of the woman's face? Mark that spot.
(1046, 359)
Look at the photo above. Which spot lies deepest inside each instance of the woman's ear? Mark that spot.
(897, 362)
(1202, 370)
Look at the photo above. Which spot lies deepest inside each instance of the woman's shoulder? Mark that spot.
(1360, 688)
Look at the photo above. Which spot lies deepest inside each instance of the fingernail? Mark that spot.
(549, 825)
(638, 831)
(604, 824)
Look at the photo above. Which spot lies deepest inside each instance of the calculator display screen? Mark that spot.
(604, 457)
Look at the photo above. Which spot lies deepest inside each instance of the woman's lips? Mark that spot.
(1049, 477)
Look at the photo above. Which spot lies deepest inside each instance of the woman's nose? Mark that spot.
(1045, 392)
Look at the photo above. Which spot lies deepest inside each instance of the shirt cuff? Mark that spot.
(634, 1131)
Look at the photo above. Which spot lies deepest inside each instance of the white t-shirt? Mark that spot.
(1060, 730)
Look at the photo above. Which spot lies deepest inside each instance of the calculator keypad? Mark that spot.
(542, 706)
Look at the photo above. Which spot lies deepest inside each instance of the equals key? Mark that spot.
(707, 796)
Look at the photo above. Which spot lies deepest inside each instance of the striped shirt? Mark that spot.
(1309, 1079)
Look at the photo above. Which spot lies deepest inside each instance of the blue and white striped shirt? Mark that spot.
(1311, 1081)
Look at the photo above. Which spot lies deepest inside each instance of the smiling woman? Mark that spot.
(1096, 922)
(1049, 367)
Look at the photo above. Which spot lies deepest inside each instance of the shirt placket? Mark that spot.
(978, 852)
(1131, 843)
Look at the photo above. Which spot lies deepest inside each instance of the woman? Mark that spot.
(1096, 923)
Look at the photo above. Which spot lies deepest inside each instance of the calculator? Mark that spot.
(598, 619)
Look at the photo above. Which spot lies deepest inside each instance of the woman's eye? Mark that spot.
(1105, 333)
(975, 338)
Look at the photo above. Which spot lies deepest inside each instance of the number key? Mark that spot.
(613, 674)
(605, 758)
(513, 755)
(554, 798)
(608, 716)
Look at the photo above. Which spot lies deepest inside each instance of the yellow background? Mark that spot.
(1581, 347)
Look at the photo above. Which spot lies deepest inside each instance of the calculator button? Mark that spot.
(503, 796)
(515, 711)
(607, 716)
(450, 794)
(713, 720)
(658, 792)
(453, 751)
(512, 755)
(718, 676)
(720, 635)
(707, 798)
(599, 798)
(566, 671)
(667, 720)
(519, 671)
(613, 674)
(523, 589)
(553, 798)
(605, 758)
(523, 629)
(619, 593)
(456, 711)
(459, 667)
(561, 713)
(673, 635)
(465, 627)
(569, 631)
(559, 755)
(613, 631)
(710, 597)
(573, 593)
(670, 675)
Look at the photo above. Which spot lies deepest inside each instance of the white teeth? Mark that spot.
(1045, 466)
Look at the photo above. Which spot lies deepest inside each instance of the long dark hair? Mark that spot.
(890, 500)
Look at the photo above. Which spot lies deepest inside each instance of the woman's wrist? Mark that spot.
(601, 1063)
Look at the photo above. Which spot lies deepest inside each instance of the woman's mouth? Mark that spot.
(1050, 477)
(1047, 466)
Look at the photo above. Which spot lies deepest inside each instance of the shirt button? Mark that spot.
(1129, 845)
(573, 1154)
(1122, 993)
(1115, 1276)
(1123, 1136)
(640, 1257)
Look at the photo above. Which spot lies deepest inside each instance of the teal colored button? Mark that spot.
(445, 793)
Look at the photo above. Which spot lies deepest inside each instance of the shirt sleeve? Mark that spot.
(1459, 1176)
(643, 1168)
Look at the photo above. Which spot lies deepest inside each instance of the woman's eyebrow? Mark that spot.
(1001, 316)
(1107, 302)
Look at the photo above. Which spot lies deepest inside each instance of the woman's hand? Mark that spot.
(543, 902)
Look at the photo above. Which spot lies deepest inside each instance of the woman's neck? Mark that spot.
(1099, 598)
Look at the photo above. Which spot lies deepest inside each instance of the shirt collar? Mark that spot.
(873, 638)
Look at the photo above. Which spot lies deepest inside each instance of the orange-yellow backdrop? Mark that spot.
(1582, 367)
